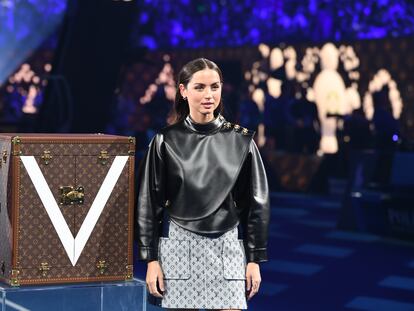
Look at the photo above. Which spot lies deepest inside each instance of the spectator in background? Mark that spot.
(231, 100)
(276, 116)
(249, 114)
(357, 130)
(303, 115)
(159, 108)
(386, 134)
(386, 128)
(141, 121)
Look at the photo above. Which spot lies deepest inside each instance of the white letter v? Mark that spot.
(73, 246)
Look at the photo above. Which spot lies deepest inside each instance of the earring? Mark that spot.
(185, 98)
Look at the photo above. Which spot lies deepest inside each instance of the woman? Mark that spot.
(202, 185)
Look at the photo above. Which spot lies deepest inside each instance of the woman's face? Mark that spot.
(203, 93)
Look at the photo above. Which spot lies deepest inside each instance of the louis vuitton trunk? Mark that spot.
(66, 205)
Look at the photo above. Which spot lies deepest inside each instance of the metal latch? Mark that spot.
(14, 280)
(46, 157)
(44, 268)
(102, 265)
(103, 158)
(69, 195)
(129, 272)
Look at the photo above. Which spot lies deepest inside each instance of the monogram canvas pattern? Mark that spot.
(60, 171)
(38, 241)
(109, 239)
(214, 277)
(73, 148)
(233, 267)
(89, 174)
(72, 164)
(5, 216)
(175, 258)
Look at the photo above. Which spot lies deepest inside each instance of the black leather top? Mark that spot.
(209, 178)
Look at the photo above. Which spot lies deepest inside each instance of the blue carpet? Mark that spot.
(398, 282)
(323, 250)
(379, 304)
(314, 266)
(289, 212)
(271, 289)
(279, 235)
(327, 224)
(352, 236)
(291, 267)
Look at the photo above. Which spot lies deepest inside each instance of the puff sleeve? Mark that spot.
(251, 195)
(151, 200)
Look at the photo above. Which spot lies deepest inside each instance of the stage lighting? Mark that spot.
(19, 37)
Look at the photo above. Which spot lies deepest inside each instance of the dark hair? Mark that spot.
(180, 108)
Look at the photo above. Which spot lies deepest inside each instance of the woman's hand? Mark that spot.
(253, 279)
(154, 276)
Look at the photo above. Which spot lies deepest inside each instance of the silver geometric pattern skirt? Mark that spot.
(202, 272)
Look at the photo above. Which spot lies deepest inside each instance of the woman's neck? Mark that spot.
(202, 118)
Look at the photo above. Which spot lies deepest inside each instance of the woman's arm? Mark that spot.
(151, 200)
(252, 199)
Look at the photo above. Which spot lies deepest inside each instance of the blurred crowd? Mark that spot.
(224, 23)
(290, 122)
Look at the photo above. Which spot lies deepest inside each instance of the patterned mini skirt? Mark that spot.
(201, 272)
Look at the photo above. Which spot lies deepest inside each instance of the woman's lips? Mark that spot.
(207, 104)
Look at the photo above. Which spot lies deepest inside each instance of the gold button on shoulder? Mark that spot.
(227, 125)
(245, 131)
(237, 127)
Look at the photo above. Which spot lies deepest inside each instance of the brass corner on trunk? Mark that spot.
(129, 272)
(131, 150)
(131, 140)
(16, 146)
(14, 280)
(16, 140)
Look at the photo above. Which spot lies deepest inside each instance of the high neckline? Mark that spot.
(205, 128)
